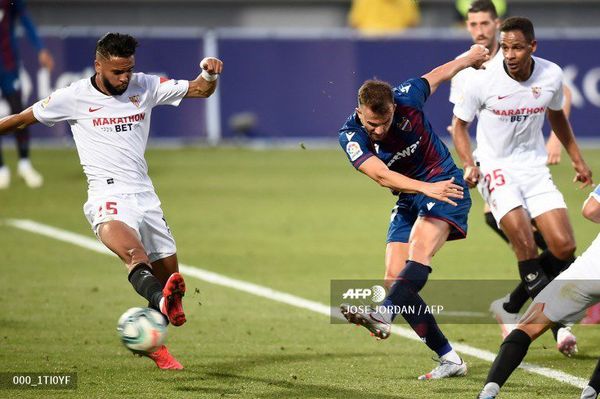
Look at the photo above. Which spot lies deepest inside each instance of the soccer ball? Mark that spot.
(142, 330)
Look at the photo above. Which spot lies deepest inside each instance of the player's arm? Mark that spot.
(442, 191)
(553, 146)
(10, 123)
(476, 56)
(206, 83)
(562, 128)
(462, 144)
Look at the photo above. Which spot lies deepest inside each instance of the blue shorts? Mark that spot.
(411, 206)
(9, 82)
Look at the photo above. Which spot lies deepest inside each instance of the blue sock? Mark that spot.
(404, 295)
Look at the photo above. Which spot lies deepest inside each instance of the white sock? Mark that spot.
(160, 304)
(491, 389)
(24, 163)
(453, 357)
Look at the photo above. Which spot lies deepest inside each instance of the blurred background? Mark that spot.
(292, 67)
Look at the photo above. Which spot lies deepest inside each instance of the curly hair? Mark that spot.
(116, 45)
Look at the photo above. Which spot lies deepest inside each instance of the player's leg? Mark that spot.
(163, 268)
(556, 228)
(514, 348)
(124, 242)
(166, 271)
(401, 222)
(516, 224)
(427, 237)
(24, 168)
(396, 254)
(160, 245)
(514, 301)
(593, 387)
(490, 221)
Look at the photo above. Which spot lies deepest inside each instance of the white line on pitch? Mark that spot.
(265, 292)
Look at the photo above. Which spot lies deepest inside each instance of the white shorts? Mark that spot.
(567, 297)
(141, 212)
(505, 188)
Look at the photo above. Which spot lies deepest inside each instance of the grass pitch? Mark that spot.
(292, 220)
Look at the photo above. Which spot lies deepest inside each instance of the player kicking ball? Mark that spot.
(389, 139)
(564, 300)
(109, 115)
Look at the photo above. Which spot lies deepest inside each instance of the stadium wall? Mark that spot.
(281, 85)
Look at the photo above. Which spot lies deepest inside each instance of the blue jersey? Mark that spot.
(411, 147)
(12, 11)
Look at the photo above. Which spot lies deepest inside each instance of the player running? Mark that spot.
(564, 300)
(109, 115)
(390, 140)
(483, 25)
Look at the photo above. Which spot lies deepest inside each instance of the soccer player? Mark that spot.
(510, 99)
(389, 139)
(563, 300)
(10, 13)
(483, 24)
(109, 114)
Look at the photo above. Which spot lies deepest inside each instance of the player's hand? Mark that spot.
(212, 65)
(583, 174)
(478, 54)
(472, 175)
(45, 59)
(444, 191)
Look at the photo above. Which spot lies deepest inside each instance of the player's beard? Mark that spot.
(112, 89)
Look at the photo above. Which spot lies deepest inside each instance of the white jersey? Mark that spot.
(111, 132)
(461, 79)
(511, 113)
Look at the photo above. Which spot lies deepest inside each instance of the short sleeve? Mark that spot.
(414, 92)
(169, 91)
(556, 103)
(58, 106)
(456, 87)
(468, 103)
(355, 144)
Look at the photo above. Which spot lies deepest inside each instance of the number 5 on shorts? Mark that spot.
(110, 208)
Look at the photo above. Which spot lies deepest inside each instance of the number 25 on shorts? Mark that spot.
(493, 180)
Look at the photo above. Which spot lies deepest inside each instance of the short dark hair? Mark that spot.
(483, 6)
(116, 45)
(521, 24)
(377, 95)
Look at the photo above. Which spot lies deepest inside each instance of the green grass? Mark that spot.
(292, 220)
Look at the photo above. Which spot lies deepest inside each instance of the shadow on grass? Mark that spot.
(210, 375)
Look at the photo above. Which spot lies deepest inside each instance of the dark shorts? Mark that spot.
(411, 206)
